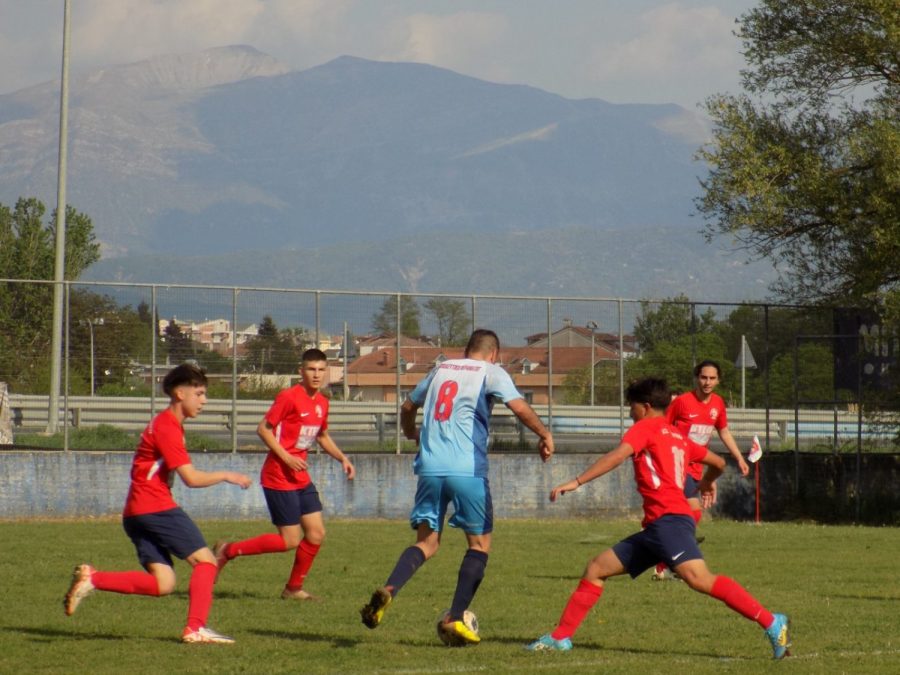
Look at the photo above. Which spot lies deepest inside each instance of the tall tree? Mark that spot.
(385, 320)
(275, 351)
(805, 165)
(668, 321)
(27, 251)
(452, 319)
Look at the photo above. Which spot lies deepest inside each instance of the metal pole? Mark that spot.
(550, 363)
(234, 382)
(90, 324)
(621, 372)
(397, 438)
(593, 326)
(346, 347)
(743, 372)
(60, 264)
(155, 332)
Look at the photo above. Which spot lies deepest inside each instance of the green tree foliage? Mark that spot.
(273, 350)
(668, 321)
(385, 320)
(453, 320)
(27, 251)
(805, 165)
(179, 346)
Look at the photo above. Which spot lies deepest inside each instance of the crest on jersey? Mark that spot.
(714, 413)
(318, 410)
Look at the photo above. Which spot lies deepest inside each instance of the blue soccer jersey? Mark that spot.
(456, 400)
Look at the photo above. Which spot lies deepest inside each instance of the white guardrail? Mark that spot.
(30, 413)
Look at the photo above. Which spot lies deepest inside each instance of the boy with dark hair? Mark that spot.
(660, 455)
(297, 419)
(696, 414)
(457, 397)
(157, 526)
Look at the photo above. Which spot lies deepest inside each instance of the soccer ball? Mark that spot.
(449, 639)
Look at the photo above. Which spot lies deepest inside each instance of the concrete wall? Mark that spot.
(47, 484)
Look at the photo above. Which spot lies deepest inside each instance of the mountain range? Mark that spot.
(228, 167)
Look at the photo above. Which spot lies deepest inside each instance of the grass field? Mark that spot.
(839, 584)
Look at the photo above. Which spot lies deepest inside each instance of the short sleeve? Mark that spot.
(418, 394)
(499, 384)
(279, 408)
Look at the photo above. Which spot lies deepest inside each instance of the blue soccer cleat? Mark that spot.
(779, 636)
(546, 643)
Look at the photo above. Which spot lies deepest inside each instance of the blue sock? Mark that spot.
(471, 572)
(410, 560)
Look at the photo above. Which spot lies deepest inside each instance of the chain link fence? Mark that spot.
(801, 379)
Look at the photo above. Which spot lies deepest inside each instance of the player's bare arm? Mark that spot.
(408, 413)
(602, 466)
(195, 478)
(715, 466)
(731, 444)
(527, 416)
(266, 432)
(326, 442)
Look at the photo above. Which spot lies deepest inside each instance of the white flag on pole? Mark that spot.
(755, 451)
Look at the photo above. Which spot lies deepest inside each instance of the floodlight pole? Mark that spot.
(60, 264)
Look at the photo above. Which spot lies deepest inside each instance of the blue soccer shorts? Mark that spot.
(669, 539)
(691, 487)
(159, 536)
(287, 506)
(471, 499)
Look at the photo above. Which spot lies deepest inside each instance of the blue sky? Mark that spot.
(625, 51)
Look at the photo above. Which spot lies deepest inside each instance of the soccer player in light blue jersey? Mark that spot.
(457, 397)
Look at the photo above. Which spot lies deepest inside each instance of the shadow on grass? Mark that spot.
(53, 633)
(334, 641)
(876, 598)
(581, 647)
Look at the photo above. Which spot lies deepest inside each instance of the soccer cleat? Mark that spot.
(80, 588)
(661, 573)
(779, 636)
(373, 612)
(459, 634)
(547, 643)
(204, 635)
(299, 594)
(221, 558)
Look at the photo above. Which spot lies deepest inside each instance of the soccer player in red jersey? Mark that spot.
(696, 414)
(297, 419)
(158, 527)
(660, 455)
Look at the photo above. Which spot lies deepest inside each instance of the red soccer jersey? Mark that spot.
(661, 456)
(697, 420)
(298, 419)
(160, 451)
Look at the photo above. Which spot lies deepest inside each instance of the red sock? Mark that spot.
(698, 514)
(131, 583)
(264, 543)
(303, 560)
(200, 594)
(735, 596)
(580, 603)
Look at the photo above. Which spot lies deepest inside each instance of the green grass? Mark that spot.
(108, 437)
(839, 584)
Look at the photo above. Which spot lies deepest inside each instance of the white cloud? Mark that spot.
(672, 41)
(464, 41)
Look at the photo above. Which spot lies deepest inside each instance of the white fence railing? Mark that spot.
(30, 414)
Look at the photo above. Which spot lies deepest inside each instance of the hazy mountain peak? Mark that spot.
(198, 70)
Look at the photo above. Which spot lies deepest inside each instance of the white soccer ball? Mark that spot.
(449, 639)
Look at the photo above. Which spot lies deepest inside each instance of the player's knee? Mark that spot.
(315, 536)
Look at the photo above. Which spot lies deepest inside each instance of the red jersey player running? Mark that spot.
(660, 455)
(297, 419)
(156, 524)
